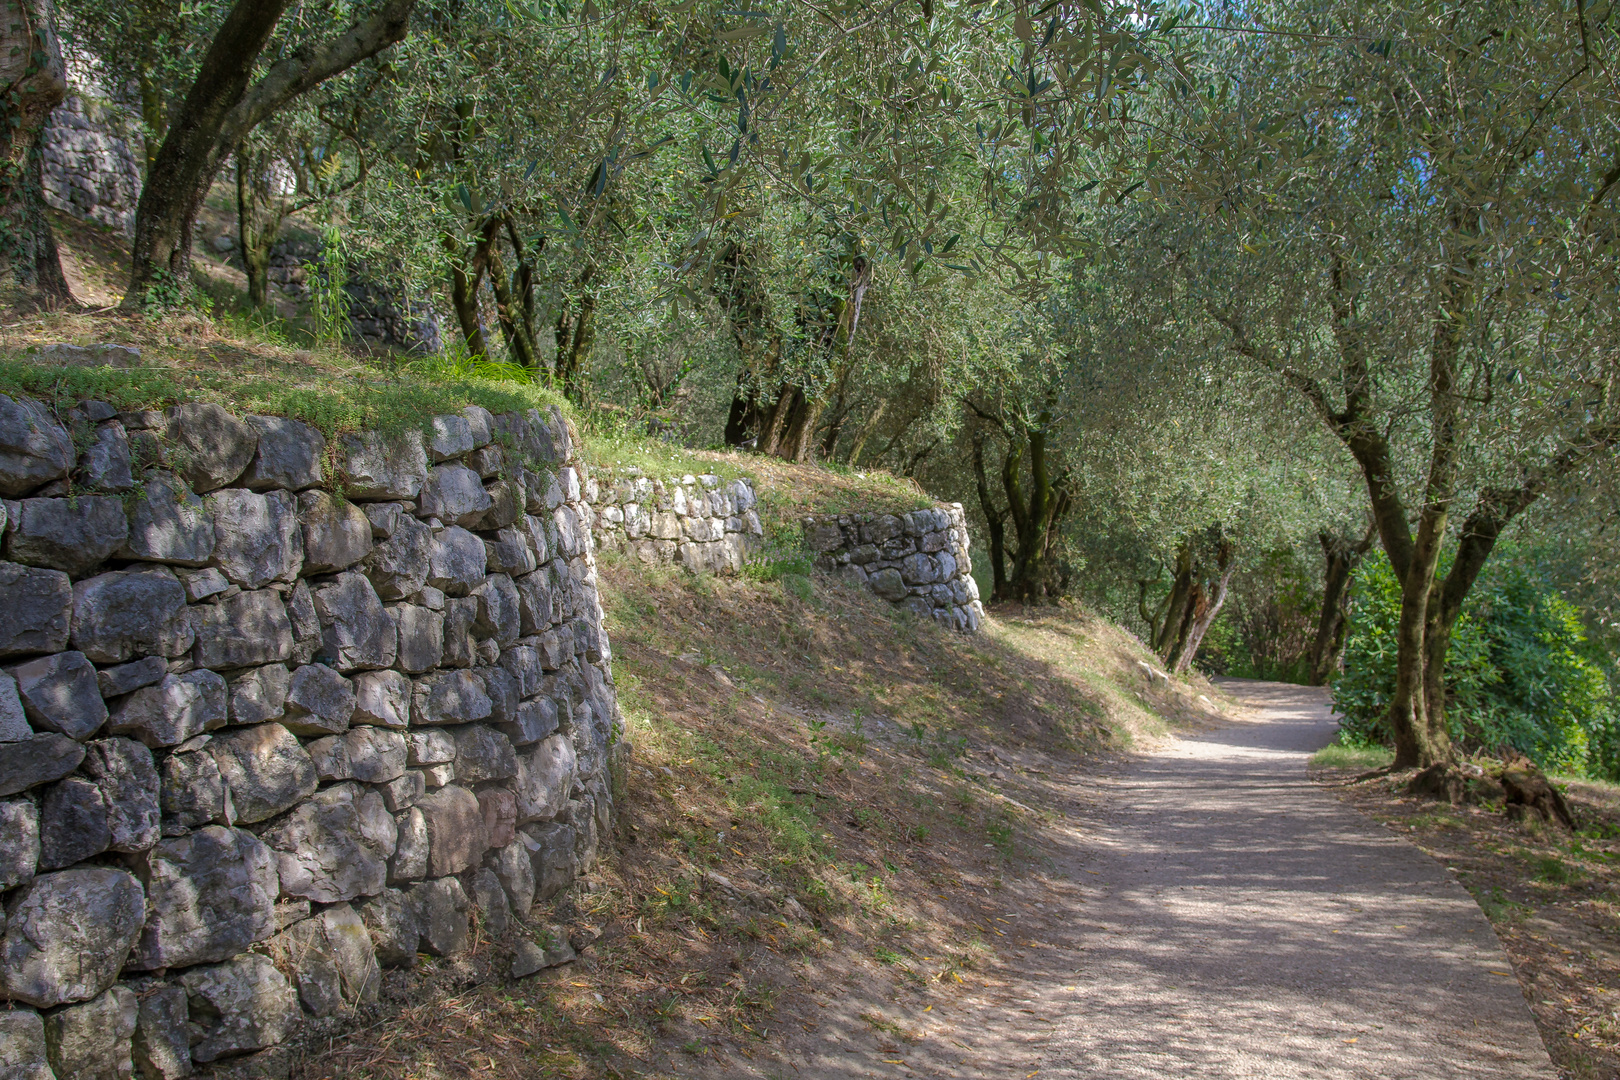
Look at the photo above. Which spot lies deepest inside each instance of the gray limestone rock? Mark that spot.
(455, 495)
(124, 678)
(481, 424)
(506, 499)
(13, 720)
(522, 662)
(356, 632)
(499, 807)
(259, 694)
(331, 758)
(503, 694)
(490, 899)
(482, 753)
(264, 768)
(257, 539)
(531, 955)
(19, 843)
(211, 446)
(34, 448)
(437, 776)
(402, 792)
(399, 566)
(193, 792)
(441, 906)
(545, 776)
(421, 637)
(288, 455)
(450, 437)
(162, 1044)
(888, 584)
(368, 754)
(306, 625)
(457, 837)
(536, 604)
(168, 523)
(552, 857)
(74, 535)
(92, 1040)
(203, 583)
(384, 518)
(68, 934)
(59, 693)
(509, 553)
(328, 848)
(210, 895)
(319, 701)
(531, 721)
(176, 709)
(129, 783)
(515, 871)
(382, 698)
(456, 561)
(22, 1046)
(245, 630)
(382, 467)
(38, 760)
(498, 609)
(410, 858)
(460, 643)
(449, 697)
(37, 614)
(72, 823)
(556, 648)
(431, 746)
(391, 918)
(336, 534)
(129, 613)
(106, 464)
(243, 1004)
(333, 958)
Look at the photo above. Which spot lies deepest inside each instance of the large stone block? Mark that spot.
(514, 869)
(22, 1046)
(92, 1040)
(522, 662)
(288, 455)
(129, 783)
(491, 902)
(536, 602)
(545, 777)
(392, 919)
(460, 642)
(319, 701)
(306, 624)
(482, 753)
(369, 754)
(421, 637)
(162, 1044)
(356, 632)
(105, 464)
(457, 837)
(60, 693)
(531, 721)
(72, 823)
(13, 720)
(399, 566)
(506, 499)
(210, 446)
(456, 561)
(75, 535)
(264, 768)
(454, 494)
(499, 807)
(259, 694)
(19, 843)
(509, 553)
(193, 792)
(243, 1004)
(335, 845)
(382, 467)
(333, 956)
(410, 859)
(449, 436)
(210, 895)
(244, 630)
(552, 857)
(449, 697)
(168, 523)
(498, 610)
(336, 534)
(37, 760)
(34, 448)
(383, 698)
(124, 678)
(441, 908)
(129, 613)
(503, 693)
(37, 614)
(257, 539)
(68, 934)
(176, 709)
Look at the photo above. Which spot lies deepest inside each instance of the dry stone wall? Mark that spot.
(919, 559)
(92, 160)
(277, 713)
(700, 522)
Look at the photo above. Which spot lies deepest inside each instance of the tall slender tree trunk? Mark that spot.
(1340, 559)
(35, 82)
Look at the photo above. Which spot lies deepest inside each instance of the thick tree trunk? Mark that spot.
(1340, 558)
(35, 82)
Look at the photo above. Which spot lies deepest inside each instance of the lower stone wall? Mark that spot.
(918, 559)
(276, 715)
(700, 522)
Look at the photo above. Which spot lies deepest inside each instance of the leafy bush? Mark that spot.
(1520, 673)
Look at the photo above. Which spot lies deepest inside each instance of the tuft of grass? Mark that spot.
(1357, 758)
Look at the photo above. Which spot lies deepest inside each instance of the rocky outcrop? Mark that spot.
(919, 560)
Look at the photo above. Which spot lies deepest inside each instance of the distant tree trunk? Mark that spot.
(258, 222)
(1036, 512)
(1341, 557)
(1202, 615)
(576, 333)
(995, 520)
(866, 433)
(35, 82)
(466, 276)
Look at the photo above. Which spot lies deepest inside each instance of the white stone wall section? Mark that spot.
(919, 559)
(700, 522)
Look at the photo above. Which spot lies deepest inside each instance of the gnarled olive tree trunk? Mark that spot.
(1340, 555)
(35, 82)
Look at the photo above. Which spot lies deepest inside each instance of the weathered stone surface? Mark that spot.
(383, 698)
(515, 871)
(368, 754)
(193, 792)
(34, 448)
(92, 1040)
(531, 955)
(888, 584)
(209, 896)
(421, 637)
(498, 609)
(240, 1005)
(336, 534)
(257, 536)
(399, 566)
(306, 625)
(441, 907)
(265, 769)
(68, 933)
(22, 1046)
(382, 467)
(259, 694)
(334, 960)
(402, 792)
(552, 857)
(59, 693)
(319, 701)
(437, 776)
(391, 917)
(13, 720)
(481, 424)
(490, 899)
(288, 455)
(522, 662)
(203, 583)
(503, 693)
(450, 436)
(455, 561)
(74, 535)
(482, 753)
(168, 523)
(536, 603)
(544, 778)
(460, 644)
(506, 498)
(176, 709)
(335, 845)
(356, 632)
(410, 859)
(531, 721)
(384, 518)
(162, 1043)
(37, 614)
(19, 843)
(106, 463)
(120, 680)
(72, 823)
(331, 758)
(449, 697)
(509, 553)
(128, 613)
(129, 783)
(457, 838)
(37, 760)
(211, 447)
(499, 808)
(431, 746)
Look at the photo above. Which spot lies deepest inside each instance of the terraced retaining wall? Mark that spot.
(700, 522)
(276, 714)
(919, 560)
